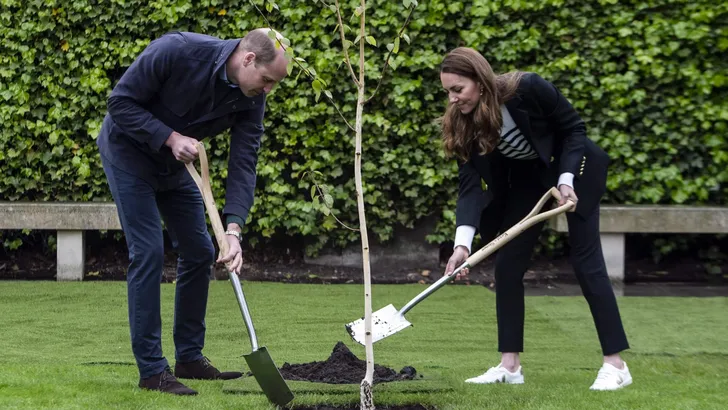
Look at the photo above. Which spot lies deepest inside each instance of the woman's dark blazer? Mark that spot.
(557, 134)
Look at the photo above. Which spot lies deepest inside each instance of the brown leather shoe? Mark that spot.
(166, 383)
(203, 370)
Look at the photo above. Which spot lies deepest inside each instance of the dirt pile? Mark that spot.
(343, 367)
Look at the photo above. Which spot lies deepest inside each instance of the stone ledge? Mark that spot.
(656, 219)
(67, 216)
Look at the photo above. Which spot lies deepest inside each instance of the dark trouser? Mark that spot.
(141, 206)
(514, 258)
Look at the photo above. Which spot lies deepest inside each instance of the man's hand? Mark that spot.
(183, 148)
(567, 193)
(459, 255)
(234, 258)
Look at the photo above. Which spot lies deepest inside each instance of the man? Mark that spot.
(182, 88)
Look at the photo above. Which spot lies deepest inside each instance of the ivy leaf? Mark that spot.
(316, 84)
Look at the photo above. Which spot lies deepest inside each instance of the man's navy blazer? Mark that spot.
(174, 85)
(557, 134)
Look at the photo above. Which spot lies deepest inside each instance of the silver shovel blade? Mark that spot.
(385, 322)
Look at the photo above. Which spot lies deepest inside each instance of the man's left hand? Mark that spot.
(234, 258)
(567, 193)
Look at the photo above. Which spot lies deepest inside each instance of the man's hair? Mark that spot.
(258, 42)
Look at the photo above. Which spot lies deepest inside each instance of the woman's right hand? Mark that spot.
(459, 255)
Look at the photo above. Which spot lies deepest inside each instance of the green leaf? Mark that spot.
(371, 41)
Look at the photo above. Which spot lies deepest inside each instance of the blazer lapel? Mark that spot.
(520, 117)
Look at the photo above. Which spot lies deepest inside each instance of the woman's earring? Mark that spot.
(481, 90)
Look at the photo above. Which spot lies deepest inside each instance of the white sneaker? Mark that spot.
(611, 378)
(498, 374)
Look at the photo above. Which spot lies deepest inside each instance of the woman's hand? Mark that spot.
(567, 193)
(459, 255)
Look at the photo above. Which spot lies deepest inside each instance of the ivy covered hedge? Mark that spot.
(650, 78)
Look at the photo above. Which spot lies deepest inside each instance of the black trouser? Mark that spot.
(513, 259)
(141, 206)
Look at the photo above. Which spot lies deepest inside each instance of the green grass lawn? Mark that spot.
(66, 346)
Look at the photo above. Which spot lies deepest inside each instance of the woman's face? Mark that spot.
(461, 91)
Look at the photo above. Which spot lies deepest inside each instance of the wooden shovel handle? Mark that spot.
(528, 221)
(531, 219)
(203, 183)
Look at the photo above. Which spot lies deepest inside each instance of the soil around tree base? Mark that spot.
(343, 367)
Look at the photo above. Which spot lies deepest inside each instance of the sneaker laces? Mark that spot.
(205, 362)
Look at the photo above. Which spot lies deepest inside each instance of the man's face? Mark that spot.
(254, 79)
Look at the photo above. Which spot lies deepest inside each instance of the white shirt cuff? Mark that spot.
(464, 236)
(567, 178)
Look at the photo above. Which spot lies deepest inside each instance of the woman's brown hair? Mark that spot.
(460, 132)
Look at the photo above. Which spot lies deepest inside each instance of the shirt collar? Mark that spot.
(224, 77)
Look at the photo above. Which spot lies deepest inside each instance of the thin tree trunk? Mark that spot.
(366, 396)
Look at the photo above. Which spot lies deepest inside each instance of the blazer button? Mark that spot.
(235, 106)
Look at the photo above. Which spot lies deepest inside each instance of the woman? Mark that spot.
(517, 133)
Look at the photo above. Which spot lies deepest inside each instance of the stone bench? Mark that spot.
(617, 220)
(70, 220)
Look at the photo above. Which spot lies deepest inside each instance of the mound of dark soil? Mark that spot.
(343, 367)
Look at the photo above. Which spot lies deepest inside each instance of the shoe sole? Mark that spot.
(624, 384)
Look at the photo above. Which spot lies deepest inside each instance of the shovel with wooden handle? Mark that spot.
(261, 364)
(388, 320)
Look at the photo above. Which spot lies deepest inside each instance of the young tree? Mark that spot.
(357, 73)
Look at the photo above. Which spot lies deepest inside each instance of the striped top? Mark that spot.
(512, 143)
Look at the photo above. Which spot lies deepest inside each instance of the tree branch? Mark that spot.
(304, 69)
(386, 62)
(343, 43)
(321, 194)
